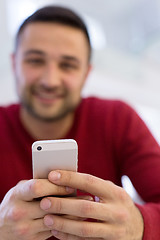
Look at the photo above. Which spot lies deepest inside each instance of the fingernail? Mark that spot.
(54, 176)
(45, 204)
(96, 199)
(48, 221)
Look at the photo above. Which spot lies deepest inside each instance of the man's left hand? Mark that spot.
(115, 214)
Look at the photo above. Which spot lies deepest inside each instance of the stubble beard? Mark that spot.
(67, 108)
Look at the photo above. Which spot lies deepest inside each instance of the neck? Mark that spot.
(41, 130)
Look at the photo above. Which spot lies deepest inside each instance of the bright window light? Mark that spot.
(96, 32)
(17, 11)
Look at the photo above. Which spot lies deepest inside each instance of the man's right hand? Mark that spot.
(21, 217)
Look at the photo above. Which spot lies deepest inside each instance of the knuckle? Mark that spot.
(122, 216)
(123, 196)
(21, 231)
(36, 187)
(86, 208)
(57, 205)
(59, 225)
(67, 178)
(60, 190)
(11, 195)
(89, 180)
(85, 231)
(21, 182)
(16, 213)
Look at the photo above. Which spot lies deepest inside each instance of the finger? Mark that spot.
(64, 236)
(31, 210)
(36, 188)
(43, 235)
(82, 229)
(26, 229)
(85, 182)
(85, 197)
(31, 228)
(72, 217)
(38, 226)
(83, 209)
(25, 210)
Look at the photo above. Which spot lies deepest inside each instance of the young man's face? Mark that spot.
(50, 66)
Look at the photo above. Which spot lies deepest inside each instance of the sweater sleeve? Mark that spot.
(138, 157)
(151, 217)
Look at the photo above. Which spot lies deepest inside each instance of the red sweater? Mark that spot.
(112, 141)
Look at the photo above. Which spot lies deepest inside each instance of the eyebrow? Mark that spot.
(71, 58)
(34, 51)
(41, 53)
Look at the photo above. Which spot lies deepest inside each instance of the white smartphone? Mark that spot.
(48, 155)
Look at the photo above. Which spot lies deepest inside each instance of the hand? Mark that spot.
(21, 217)
(116, 215)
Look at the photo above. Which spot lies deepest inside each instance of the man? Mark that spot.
(51, 63)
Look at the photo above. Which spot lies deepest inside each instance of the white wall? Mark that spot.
(117, 72)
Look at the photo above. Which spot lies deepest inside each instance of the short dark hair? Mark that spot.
(55, 14)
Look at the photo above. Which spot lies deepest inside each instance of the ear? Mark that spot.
(13, 62)
(88, 70)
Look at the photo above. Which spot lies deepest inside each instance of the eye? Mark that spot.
(35, 61)
(68, 66)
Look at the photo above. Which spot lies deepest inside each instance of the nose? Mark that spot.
(51, 75)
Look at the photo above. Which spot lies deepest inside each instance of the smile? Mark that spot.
(47, 97)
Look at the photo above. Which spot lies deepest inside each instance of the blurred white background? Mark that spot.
(125, 37)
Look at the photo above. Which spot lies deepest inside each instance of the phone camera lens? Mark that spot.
(39, 148)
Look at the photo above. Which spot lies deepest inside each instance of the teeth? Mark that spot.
(48, 96)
